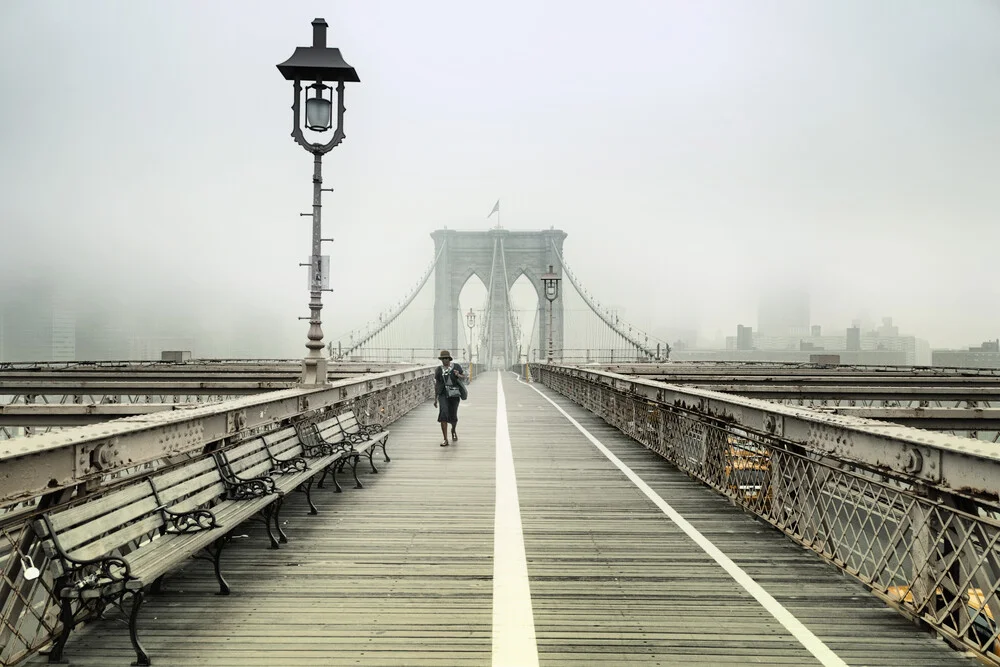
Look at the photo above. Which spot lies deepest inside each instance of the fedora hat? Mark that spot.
(445, 354)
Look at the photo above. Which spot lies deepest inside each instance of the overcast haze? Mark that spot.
(694, 152)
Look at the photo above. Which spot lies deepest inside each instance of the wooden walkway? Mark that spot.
(402, 571)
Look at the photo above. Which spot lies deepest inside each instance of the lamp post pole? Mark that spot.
(470, 320)
(550, 332)
(314, 365)
(317, 63)
(550, 284)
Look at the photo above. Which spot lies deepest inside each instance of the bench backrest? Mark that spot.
(308, 434)
(284, 444)
(249, 460)
(190, 486)
(349, 422)
(330, 431)
(103, 525)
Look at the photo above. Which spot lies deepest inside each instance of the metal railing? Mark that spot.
(47, 470)
(912, 514)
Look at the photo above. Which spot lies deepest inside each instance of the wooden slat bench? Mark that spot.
(295, 466)
(312, 441)
(280, 461)
(110, 548)
(369, 436)
(344, 431)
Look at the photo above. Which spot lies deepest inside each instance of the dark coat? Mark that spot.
(439, 379)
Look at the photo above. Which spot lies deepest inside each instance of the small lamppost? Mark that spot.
(550, 283)
(315, 65)
(470, 321)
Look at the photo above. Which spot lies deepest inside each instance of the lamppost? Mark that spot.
(470, 321)
(315, 65)
(550, 282)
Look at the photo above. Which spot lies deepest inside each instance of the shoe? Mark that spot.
(454, 436)
(444, 444)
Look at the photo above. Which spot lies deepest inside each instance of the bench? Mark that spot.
(281, 463)
(356, 432)
(344, 430)
(309, 436)
(296, 465)
(110, 548)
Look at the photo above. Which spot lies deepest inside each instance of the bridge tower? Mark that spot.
(498, 257)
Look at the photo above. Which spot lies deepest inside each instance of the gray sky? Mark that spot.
(693, 151)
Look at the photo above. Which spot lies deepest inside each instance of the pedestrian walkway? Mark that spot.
(522, 544)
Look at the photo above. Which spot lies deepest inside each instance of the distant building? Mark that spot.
(887, 330)
(143, 348)
(744, 338)
(43, 329)
(853, 343)
(63, 332)
(862, 358)
(784, 313)
(882, 346)
(986, 355)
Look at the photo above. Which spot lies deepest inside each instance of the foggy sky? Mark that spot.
(695, 152)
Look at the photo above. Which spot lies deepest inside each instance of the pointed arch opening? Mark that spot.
(524, 304)
(472, 296)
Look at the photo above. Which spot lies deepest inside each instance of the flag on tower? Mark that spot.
(496, 209)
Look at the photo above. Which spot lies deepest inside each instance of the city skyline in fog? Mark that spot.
(698, 155)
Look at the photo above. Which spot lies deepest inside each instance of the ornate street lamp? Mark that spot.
(470, 321)
(317, 65)
(550, 285)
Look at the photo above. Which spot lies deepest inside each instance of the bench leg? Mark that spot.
(141, 657)
(382, 445)
(333, 468)
(217, 564)
(371, 459)
(309, 498)
(66, 618)
(157, 586)
(277, 521)
(354, 469)
(268, 512)
(319, 484)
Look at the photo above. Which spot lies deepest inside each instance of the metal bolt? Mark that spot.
(914, 461)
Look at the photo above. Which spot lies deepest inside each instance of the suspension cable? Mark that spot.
(615, 324)
(383, 322)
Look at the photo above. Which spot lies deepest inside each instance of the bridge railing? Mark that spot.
(41, 472)
(910, 513)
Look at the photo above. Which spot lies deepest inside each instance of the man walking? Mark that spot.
(448, 393)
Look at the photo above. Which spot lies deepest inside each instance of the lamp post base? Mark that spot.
(313, 372)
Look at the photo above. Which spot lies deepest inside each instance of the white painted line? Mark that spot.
(811, 642)
(514, 642)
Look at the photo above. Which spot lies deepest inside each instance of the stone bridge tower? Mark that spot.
(498, 257)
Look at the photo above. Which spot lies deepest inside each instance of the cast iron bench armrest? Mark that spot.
(240, 488)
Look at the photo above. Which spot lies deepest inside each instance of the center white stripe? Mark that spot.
(513, 621)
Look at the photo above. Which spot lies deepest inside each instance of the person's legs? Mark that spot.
(443, 418)
(453, 404)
